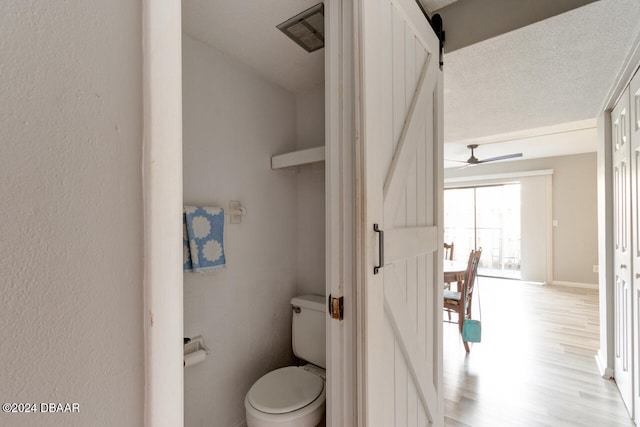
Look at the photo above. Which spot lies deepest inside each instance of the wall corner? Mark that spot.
(605, 244)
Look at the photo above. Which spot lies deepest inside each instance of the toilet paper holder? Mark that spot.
(192, 347)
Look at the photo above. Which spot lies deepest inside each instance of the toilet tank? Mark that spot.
(308, 329)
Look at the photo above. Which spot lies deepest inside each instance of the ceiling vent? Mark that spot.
(306, 28)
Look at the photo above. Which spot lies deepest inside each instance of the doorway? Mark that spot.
(486, 217)
(164, 292)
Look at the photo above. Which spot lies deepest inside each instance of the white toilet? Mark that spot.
(294, 396)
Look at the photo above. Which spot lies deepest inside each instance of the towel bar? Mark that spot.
(234, 212)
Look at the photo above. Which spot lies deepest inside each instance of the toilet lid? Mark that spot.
(285, 390)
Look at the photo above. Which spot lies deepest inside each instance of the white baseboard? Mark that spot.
(607, 373)
(575, 284)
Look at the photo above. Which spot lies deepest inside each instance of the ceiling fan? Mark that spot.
(473, 160)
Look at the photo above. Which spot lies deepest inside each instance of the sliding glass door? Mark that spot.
(489, 218)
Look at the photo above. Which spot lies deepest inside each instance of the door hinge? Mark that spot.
(336, 307)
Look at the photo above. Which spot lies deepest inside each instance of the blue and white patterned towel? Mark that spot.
(202, 240)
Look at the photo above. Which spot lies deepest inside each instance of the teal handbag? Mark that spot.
(472, 329)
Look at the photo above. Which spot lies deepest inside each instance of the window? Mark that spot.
(486, 217)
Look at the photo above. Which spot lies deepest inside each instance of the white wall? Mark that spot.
(70, 178)
(311, 194)
(574, 202)
(233, 122)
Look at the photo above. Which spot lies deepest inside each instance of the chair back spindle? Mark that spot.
(470, 278)
(448, 251)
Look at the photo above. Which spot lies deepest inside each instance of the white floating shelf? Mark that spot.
(296, 158)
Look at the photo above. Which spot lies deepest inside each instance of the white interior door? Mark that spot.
(634, 114)
(623, 324)
(400, 173)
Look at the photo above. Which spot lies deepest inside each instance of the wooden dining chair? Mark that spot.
(448, 255)
(448, 251)
(459, 302)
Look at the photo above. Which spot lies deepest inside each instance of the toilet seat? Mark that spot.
(285, 390)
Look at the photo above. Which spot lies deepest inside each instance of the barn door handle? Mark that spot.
(376, 268)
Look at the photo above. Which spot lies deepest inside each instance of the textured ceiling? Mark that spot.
(555, 71)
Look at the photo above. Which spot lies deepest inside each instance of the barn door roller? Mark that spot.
(438, 28)
(436, 23)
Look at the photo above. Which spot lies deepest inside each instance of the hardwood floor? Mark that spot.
(535, 365)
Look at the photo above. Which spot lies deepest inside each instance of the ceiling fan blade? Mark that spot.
(457, 161)
(505, 157)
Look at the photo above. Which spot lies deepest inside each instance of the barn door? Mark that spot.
(400, 172)
(623, 326)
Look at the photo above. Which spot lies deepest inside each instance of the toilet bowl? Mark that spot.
(287, 397)
(294, 396)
